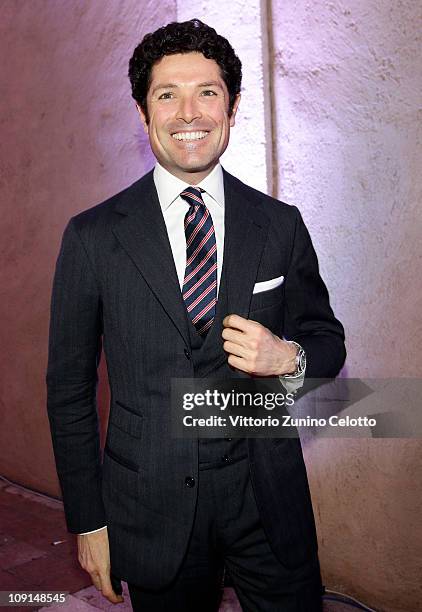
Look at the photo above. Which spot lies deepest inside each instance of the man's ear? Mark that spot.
(235, 107)
(143, 118)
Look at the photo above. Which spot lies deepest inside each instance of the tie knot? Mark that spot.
(193, 195)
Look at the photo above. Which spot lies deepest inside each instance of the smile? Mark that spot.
(189, 135)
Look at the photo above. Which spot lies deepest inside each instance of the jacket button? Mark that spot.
(187, 354)
(189, 481)
(226, 458)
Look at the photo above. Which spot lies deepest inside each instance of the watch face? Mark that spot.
(302, 360)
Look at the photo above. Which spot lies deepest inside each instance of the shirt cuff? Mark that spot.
(292, 385)
(93, 531)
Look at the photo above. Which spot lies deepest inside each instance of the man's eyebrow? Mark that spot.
(210, 84)
(164, 86)
(174, 86)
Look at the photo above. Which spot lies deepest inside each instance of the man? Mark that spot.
(186, 273)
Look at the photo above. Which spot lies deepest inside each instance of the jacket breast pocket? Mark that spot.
(266, 299)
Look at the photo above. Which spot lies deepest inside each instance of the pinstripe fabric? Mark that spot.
(115, 287)
(200, 282)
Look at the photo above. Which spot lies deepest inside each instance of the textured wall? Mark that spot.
(367, 501)
(70, 138)
(347, 83)
(244, 24)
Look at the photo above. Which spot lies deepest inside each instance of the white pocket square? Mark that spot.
(268, 284)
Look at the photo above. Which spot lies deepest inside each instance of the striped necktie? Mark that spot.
(200, 281)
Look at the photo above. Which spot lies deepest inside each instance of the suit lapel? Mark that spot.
(246, 229)
(142, 233)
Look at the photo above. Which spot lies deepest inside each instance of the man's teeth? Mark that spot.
(189, 135)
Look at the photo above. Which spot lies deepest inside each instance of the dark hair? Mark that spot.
(183, 37)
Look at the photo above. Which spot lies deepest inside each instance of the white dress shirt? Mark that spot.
(174, 209)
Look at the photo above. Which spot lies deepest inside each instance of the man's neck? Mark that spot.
(192, 178)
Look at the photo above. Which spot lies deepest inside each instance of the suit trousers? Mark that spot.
(227, 535)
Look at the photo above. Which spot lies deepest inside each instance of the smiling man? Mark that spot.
(186, 115)
(186, 273)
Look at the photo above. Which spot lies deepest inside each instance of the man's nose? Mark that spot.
(188, 110)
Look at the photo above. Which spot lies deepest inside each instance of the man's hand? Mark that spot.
(254, 349)
(94, 557)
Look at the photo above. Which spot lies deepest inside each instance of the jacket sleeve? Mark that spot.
(309, 318)
(74, 351)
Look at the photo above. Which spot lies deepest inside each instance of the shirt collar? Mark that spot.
(169, 187)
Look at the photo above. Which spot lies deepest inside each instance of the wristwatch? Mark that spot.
(300, 361)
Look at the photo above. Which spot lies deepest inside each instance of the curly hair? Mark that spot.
(193, 35)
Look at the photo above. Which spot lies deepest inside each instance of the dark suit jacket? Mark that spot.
(116, 284)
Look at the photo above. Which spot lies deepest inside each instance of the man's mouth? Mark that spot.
(190, 135)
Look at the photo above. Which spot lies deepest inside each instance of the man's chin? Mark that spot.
(193, 167)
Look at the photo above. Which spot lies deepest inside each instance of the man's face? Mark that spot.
(189, 123)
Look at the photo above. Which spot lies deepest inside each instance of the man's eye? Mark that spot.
(167, 95)
(208, 92)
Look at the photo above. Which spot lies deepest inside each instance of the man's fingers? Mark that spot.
(235, 349)
(248, 339)
(94, 557)
(102, 583)
(107, 589)
(237, 362)
(233, 335)
(237, 322)
(95, 577)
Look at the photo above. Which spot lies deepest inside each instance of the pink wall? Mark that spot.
(348, 79)
(347, 83)
(70, 138)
